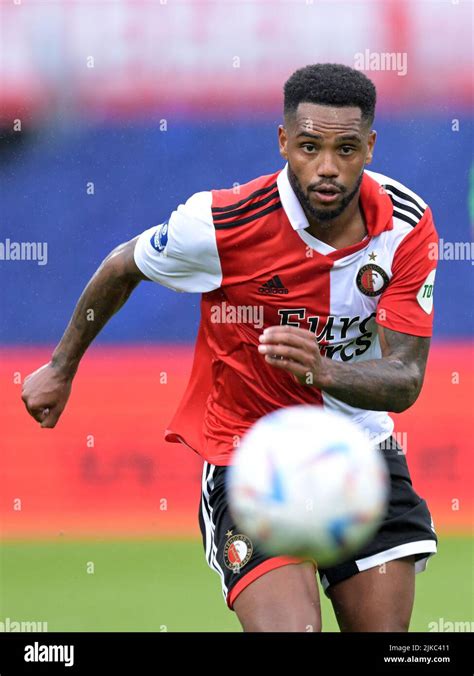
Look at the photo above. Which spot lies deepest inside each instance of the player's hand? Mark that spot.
(294, 350)
(45, 393)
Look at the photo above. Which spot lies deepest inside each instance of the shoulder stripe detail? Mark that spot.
(245, 209)
(405, 207)
(249, 219)
(234, 205)
(405, 196)
(404, 217)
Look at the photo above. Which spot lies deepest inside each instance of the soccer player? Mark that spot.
(335, 260)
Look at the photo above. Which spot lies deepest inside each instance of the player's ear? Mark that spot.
(370, 146)
(282, 141)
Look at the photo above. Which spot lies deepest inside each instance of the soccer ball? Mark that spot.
(308, 483)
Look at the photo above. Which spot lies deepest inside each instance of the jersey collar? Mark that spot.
(375, 203)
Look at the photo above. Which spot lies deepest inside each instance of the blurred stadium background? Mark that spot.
(111, 114)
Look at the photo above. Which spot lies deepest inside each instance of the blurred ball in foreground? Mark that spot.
(308, 482)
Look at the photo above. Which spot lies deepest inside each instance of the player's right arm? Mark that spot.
(46, 390)
(180, 254)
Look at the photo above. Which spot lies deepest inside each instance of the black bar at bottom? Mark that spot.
(149, 653)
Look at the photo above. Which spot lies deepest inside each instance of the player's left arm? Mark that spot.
(391, 383)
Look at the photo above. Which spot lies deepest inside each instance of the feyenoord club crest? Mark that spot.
(237, 552)
(371, 280)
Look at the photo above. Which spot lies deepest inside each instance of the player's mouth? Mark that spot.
(327, 193)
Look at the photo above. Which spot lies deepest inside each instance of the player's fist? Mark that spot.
(45, 393)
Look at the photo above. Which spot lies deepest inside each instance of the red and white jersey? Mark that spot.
(247, 251)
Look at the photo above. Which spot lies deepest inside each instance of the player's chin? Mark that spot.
(326, 212)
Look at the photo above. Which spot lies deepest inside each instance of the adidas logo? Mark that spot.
(273, 286)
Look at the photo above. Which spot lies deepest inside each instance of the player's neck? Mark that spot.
(347, 229)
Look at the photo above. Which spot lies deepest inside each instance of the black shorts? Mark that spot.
(407, 529)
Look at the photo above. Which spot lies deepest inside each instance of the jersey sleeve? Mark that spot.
(182, 253)
(407, 303)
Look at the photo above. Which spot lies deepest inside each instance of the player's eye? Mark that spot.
(347, 150)
(308, 147)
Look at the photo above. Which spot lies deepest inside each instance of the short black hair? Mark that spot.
(330, 84)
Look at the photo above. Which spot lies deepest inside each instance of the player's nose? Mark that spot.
(327, 166)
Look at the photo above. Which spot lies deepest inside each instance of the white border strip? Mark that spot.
(211, 547)
(419, 547)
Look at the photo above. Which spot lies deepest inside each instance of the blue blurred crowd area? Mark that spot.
(86, 188)
(112, 114)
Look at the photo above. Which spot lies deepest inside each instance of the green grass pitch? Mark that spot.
(166, 585)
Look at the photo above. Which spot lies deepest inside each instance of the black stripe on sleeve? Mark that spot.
(405, 207)
(257, 193)
(253, 217)
(404, 217)
(404, 196)
(247, 208)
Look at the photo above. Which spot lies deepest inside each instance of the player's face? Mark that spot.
(327, 149)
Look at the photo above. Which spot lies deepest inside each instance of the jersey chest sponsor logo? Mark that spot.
(372, 280)
(330, 329)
